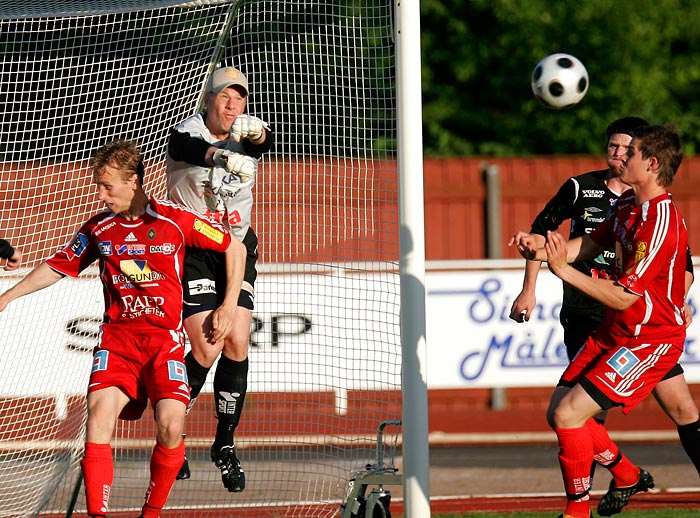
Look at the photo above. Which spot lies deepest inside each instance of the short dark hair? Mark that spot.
(125, 154)
(664, 143)
(625, 125)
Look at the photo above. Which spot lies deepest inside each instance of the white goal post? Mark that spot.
(327, 356)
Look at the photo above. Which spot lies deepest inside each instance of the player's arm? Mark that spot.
(184, 147)
(605, 291)
(689, 278)
(577, 249)
(222, 318)
(524, 303)
(41, 277)
(558, 209)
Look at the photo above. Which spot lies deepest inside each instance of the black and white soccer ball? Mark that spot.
(560, 81)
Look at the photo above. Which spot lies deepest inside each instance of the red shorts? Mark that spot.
(145, 363)
(622, 374)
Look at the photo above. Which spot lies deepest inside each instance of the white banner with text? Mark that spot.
(471, 342)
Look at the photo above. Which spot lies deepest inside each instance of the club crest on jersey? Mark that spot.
(151, 234)
(79, 245)
(623, 361)
(206, 229)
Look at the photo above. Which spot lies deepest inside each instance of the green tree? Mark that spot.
(478, 56)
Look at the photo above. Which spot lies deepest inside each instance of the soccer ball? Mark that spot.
(559, 81)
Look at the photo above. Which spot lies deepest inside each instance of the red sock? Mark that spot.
(575, 458)
(608, 454)
(165, 465)
(98, 473)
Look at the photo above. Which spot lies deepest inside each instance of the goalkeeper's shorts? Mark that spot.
(204, 278)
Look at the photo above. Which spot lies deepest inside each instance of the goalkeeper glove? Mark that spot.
(246, 126)
(243, 166)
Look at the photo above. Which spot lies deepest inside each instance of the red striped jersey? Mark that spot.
(650, 243)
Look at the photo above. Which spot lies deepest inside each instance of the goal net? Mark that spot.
(325, 356)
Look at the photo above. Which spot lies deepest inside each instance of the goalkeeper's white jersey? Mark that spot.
(211, 190)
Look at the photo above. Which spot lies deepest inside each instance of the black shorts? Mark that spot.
(204, 278)
(577, 328)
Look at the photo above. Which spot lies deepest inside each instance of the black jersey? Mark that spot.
(585, 200)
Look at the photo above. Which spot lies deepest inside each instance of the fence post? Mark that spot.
(492, 218)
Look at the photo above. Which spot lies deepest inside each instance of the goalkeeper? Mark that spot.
(12, 256)
(212, 160)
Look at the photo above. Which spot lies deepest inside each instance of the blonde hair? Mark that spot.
(124, 155)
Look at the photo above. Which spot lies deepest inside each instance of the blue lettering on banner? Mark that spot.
(509, 354)
(488, 307)
(484, 307)
(509, 345)
(177, 371)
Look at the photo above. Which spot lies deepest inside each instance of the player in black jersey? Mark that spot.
(585, 200)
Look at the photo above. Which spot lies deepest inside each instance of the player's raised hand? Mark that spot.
(246, 126)
(243, 166)
(556, 252)
(526, 244)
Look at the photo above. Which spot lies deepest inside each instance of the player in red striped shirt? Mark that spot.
(139, 243)
(643, 333)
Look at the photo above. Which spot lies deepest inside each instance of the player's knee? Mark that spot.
(685, 412)
(204, 351)
(562, 416)
(170, 431)
(236, 345)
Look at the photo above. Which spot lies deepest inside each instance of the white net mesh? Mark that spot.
(325, 350)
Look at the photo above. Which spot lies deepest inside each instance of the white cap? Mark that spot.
(225, 77)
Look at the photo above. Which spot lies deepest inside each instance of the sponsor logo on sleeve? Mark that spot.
(79, 245)
(641, 252)
(207, 230)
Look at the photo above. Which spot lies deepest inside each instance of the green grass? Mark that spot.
(655, 513)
